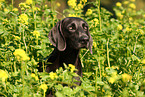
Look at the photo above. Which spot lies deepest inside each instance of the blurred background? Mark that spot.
(107, 4)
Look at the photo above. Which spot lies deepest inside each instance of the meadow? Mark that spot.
(115, 69)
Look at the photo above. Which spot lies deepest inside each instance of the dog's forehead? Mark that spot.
(70, 20)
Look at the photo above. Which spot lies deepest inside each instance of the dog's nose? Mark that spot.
(84, 39)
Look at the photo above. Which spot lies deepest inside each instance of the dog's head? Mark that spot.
(72, 32)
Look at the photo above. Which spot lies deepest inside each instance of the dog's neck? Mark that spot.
(69, 55)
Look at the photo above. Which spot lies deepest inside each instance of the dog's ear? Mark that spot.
(56, 37)
(90, 42)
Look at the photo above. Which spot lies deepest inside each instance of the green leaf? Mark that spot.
(59, 94)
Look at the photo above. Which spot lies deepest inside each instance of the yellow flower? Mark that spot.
(22, 5)
(34, 76)
(58, 4)
(45, 6)
(23, 18)
(72, 15)
(114, 74)
(2, 0)
(143, 61)
(6, 10)
(36, 33)
(0, 5)
(30, 10)
(53, 75)
(36, 8)
(126, 77)
(111, 80)
(132, 0)
(123, 11)
(137, 24)
(43, 87)
(115, 67)
(119, 27)
(21, 55)
(129, 10)
(140, 31)
(72, 67)
(130, 18)
(132, 5)
(80, 6)
(89, 12)
(118, 4)
(96, 21)
(5, 21)
(17, 37)
(144, 15)
(15, 9)
(128, 29)
(3, 75)
(94, 44)
(28, 2)
(72, 3)
(103, 90)
(76, 8)
(83, 1)
(125, 2)
(119, 15)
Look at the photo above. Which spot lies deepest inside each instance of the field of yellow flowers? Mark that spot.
(115, 69)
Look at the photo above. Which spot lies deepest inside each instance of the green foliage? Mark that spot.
(116, 67)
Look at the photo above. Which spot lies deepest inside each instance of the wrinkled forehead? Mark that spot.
(75, 20)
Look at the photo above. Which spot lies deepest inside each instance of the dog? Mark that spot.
(68, 36)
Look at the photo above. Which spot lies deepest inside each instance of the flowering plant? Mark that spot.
(115, 69)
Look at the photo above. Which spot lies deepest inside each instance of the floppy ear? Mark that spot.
(90, 42)
(56, 37)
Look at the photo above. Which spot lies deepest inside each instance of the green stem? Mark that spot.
(108, 54)
(43, 66)
(135, 45)
(2, 94)
(44, 94)
(34, 15)
(83, 56)
(52, 8)
(12, 4)
(96, 82)
(138, 74)
(99, 66)
(22, 75)
(5, 87)
(99, 15)
(15, 67)
(24, 37)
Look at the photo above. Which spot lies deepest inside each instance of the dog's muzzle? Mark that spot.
(84, 41)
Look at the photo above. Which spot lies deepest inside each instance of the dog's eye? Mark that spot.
(70, 28)
(85, 27)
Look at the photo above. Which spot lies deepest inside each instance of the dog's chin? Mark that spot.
(79, 46)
